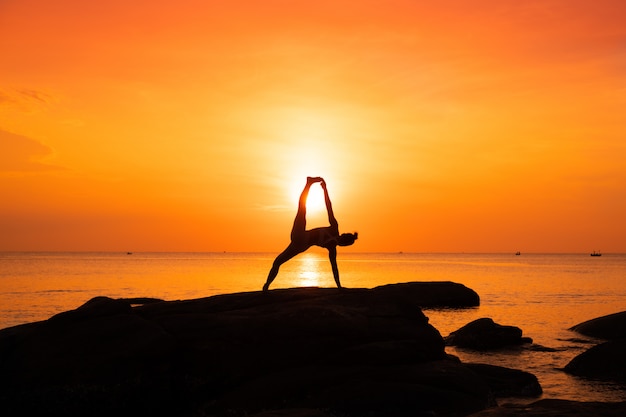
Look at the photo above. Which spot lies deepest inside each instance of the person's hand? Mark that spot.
(323, 184)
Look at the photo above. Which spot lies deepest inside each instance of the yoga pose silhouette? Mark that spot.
(302, 239)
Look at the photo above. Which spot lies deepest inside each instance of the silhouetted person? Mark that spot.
(302, 239)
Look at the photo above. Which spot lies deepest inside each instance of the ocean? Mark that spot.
(543, 294)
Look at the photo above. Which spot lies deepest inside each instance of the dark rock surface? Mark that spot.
(505, 382)
(610, 327)
(606, 361)
(305, 351)
(485, 334)
(557, 408)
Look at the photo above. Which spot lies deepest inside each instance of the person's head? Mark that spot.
(347, 239)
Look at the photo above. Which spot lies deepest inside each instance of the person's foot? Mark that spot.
(266, 287)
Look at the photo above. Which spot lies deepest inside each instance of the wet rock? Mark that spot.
(610, 327)
(540, 348)
(604, 361)
(485, 334)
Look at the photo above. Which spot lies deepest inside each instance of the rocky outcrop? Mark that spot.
(305, 351)
(485, 334)
(606, 360)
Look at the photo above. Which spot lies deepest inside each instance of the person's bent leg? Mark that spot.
(286, 255)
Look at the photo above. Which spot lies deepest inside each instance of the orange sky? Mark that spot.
(475, 126)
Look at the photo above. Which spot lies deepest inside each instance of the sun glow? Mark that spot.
(315, 201)
(313, 147)
(195, 129)
(309, 275)
(316, 214)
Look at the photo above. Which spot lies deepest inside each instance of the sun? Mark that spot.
(315, 202)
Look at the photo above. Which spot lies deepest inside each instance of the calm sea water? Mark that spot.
(544, 294)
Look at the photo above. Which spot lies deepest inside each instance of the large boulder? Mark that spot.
(485, 334)
(349, 352)
(606, 360)
(610, 327)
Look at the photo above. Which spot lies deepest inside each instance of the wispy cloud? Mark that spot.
(20, 154)
(273, 207)
(34, 95)
(25, 99)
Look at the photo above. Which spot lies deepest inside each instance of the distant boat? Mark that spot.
(594, 253)
(518, 253)
(129, 253)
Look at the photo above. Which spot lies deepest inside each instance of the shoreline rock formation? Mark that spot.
(322, 351)
(606, 360)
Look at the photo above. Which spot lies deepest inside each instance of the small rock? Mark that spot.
(485, 334)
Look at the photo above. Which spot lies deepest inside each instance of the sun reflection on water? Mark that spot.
(310, 274)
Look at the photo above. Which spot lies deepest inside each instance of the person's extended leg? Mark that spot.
(299, 223)
(329, 208)
(286, 255)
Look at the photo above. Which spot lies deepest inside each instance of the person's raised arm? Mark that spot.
(329, 207)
